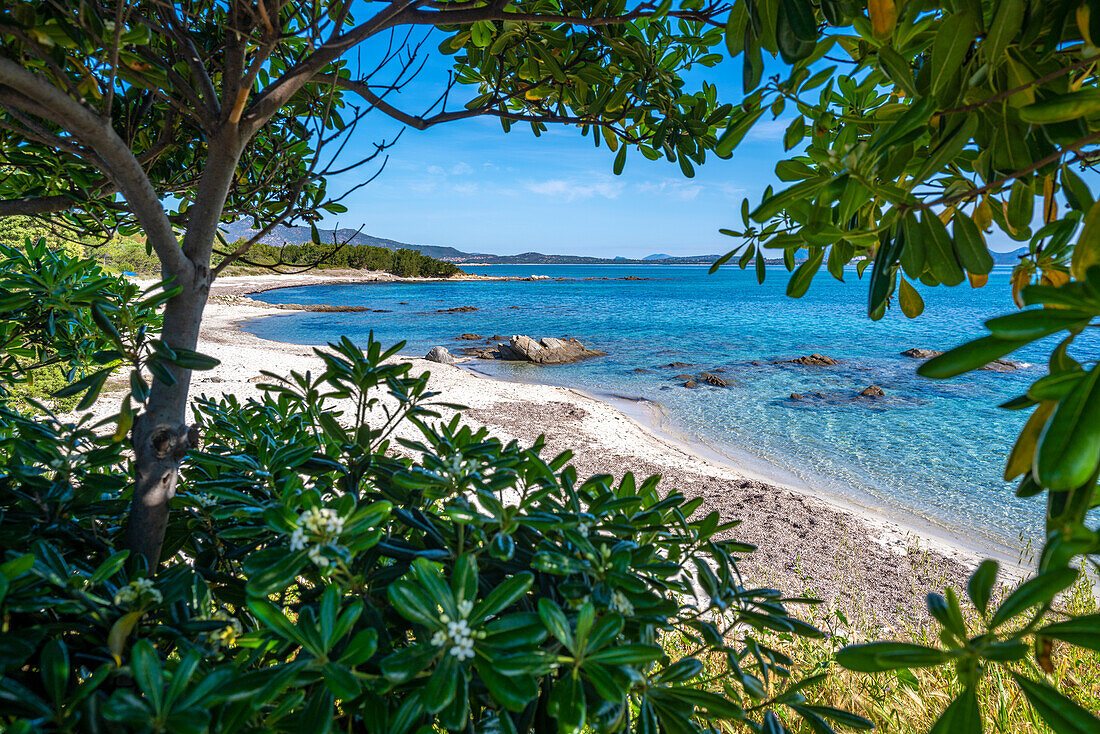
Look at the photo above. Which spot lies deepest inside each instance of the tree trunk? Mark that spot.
(160, 436)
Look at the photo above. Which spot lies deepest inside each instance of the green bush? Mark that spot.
(320, 580)
(406, 263)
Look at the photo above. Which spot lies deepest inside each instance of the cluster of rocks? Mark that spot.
(520, 348)
(457, 309)
(813, 360)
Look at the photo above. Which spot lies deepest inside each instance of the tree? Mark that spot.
(910, 117)
(168, 118)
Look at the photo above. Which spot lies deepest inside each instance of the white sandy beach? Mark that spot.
(858, 560)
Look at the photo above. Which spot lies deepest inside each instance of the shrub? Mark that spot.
(325, 576)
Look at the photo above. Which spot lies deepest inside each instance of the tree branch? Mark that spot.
(122, 167)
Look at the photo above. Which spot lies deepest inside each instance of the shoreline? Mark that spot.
(862, 560)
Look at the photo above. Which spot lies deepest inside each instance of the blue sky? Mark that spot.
(469, 185)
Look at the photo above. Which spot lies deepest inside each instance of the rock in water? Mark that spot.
(921, 353)
(691, 383)
(468, 337)
(712, 379)
(439, 354)
(872, 391)
(814, 360)
(547, 350)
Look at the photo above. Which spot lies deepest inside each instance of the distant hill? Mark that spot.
(657, 256)
(1009, 258)
(300, 235)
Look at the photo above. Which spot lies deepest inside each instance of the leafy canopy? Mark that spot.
(919, 128)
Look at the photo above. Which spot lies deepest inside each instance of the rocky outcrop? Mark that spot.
(921, 353)
(468, 337)
(547, 350)
(678, 365)
(691, 384)
(457, 309)
(872, 391)
(712, 379)
(997, 365)
(813, 360)
(439, 354)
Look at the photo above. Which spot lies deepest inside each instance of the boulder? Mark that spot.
(480, 352)
(796, 396)
(916, 353)
(683, 377)
(691, 383)
(439, 354)
(468, 337)
(814, 360)
(547, 350)
(678, 365)
(712, 379)
(872, 391)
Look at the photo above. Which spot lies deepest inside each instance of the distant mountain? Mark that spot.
(657, 256)
(1009, 258)
(300, 235)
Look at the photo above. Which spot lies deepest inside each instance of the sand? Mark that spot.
(874, 568)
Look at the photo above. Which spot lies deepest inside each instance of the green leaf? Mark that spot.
(970, 246)
(503, 596)
(875, 657)
(1062, 714)
(804, 274)
(1086, 252)
(884, 269)
(962, 716)
(939, 250)
(567, 703)
(1083, 631)
(1076, 191)
(630, 654)
(1007, 19)
(949, 48)
(1037, 323)
(970, 356)
(1038, 590)
(1069, 447)
(554, 619)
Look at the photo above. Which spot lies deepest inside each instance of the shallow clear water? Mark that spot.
(933, 449)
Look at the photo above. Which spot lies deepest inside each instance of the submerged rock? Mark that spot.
(678, 365)
(457, 309)
(813, 360)
(872, 391)
(691, 383)
(712, 379)
(468, 337)
(439, 354)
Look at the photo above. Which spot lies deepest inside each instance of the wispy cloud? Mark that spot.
(572, 189)
(682, 190)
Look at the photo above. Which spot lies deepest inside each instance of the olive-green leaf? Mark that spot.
(969, 356)
(1038, 590)
(804, 274)
(939, 251)
(1062, 714)
(970, 246)
(1069, 448)
(912, 305)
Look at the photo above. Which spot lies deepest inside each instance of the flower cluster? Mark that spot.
(458, 635)
(227, 635)
(621, 604)
(138, 590)
(317, 528)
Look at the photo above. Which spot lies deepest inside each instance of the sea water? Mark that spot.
(932, 449)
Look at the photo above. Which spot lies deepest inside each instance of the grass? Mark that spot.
(910, 701)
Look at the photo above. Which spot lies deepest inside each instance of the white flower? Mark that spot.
(457, 635)
(205, 500)
(297, 540)
(316, 554)
(135, 590)
(621, 604)
(583, 528)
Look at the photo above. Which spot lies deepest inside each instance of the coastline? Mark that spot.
(861, 560)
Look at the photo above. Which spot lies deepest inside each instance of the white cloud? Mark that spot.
(461, 169)
(465, 189)
(572, 189)
(682, 190)
(768, 130)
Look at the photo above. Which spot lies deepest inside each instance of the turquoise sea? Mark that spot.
(930, 449)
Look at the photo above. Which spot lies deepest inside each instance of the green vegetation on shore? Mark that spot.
(130, 254)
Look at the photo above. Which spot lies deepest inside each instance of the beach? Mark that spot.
(874, 568)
